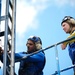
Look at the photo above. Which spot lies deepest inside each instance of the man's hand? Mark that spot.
(63, 46)
(1, 51)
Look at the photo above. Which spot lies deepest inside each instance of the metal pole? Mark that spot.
(12, 71)
(5, 40)
(0, 21)
(70, 67)
(0, 14)
(57, 60)
(0, 8)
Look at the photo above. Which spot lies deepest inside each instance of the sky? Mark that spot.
(43, 18)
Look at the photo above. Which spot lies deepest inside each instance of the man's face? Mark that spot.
(66, 27)
(30, 46)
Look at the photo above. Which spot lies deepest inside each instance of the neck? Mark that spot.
(72, 30)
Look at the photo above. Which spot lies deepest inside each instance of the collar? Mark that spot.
(72, 31)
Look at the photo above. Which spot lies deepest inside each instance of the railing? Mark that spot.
(56, 52)
(70, 67)
(46, 48)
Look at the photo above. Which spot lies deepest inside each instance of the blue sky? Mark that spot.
(43, 18)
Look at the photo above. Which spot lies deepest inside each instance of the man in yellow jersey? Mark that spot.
(68, 25)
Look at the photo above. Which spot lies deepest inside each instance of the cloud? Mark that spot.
(26, 16)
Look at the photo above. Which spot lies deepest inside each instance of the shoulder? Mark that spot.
(41, 54)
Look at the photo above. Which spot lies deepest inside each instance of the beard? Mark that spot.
(29, 50)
